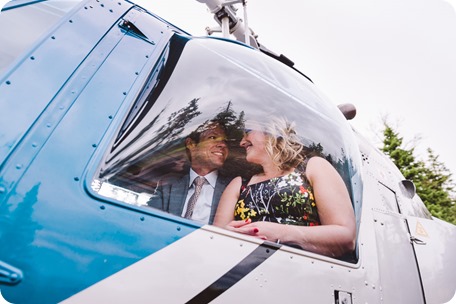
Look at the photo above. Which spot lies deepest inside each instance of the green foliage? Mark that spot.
(432, 179)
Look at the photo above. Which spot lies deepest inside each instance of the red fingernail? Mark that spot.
(255, 230)
(247, 220)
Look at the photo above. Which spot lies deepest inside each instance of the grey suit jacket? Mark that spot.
(171, 196)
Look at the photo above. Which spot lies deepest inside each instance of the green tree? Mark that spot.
(437, 189)
(432, 179)
(403, 158)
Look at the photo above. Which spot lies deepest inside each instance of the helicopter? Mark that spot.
(97, 98)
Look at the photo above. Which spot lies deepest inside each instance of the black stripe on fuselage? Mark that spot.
(235, 274)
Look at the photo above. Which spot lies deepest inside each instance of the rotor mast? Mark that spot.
(225, 15)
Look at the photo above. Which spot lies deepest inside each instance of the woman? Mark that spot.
(294, 200)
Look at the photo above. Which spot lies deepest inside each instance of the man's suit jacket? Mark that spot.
(171, 196)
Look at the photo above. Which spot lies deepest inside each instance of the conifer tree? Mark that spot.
(432, 179)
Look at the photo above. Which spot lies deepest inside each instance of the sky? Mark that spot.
(390, 58)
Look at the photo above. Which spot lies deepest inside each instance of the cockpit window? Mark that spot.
(202, 98)
(24, 22)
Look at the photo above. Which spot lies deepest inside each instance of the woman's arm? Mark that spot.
(224, 217)
(225, 209)
(337, 234)
(338, 230)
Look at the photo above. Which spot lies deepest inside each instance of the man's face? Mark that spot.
(211, 151)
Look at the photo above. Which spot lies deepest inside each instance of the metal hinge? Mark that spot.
(416, 240)
(9, 275)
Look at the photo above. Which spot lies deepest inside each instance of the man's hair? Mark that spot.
(195, 136)
(207, 125)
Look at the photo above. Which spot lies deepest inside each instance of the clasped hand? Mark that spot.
(262, 230)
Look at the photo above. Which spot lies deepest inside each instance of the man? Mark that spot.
(207, 151)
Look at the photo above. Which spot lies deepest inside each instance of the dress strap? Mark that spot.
(244, 183)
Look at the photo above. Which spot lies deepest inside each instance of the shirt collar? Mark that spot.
(210, 177)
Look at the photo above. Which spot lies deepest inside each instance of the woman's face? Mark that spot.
(254, 142)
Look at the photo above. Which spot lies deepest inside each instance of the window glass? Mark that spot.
(199, 82)
(419, 208)
(23, 24)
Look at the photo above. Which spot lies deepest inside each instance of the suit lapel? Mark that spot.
(178, 194)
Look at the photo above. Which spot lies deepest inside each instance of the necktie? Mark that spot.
(198, 182)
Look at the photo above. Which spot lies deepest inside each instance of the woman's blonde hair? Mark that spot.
(283, 144)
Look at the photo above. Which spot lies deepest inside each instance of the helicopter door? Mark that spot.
(399, 274)
(434, 249)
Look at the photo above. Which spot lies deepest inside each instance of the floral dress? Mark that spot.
(287, 200)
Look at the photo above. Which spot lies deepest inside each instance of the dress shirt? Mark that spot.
(202, 210)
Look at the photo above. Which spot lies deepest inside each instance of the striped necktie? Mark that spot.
(198, 182)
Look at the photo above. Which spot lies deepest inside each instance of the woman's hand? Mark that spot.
(244, 227)
(262, 230)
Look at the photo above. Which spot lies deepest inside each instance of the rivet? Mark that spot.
(76, 179)
(8, 82)
(32, 58)
(102, 207)
(142, 218)
(18, 166)
(94, 145)
(2, 189)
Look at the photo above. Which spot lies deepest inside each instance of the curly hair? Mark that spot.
(283, 144)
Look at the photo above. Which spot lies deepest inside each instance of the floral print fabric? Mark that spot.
(287, 200)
